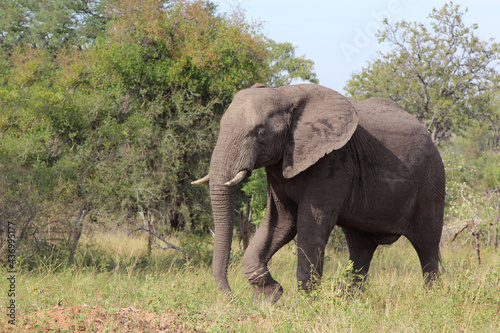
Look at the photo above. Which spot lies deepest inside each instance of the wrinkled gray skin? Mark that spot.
(366, 166)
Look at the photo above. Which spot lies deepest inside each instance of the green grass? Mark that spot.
(466, 297)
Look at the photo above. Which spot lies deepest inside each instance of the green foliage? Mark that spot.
(443, 74)
(256, 187)
(284, 66)
(198, 249)
(120, 101)
(176, 70)
(472, 197)
(50, 24)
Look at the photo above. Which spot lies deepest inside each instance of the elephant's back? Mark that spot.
(384, 115)
(389, 123)
(394, 134)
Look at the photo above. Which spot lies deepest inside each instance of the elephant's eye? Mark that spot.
(261, 134)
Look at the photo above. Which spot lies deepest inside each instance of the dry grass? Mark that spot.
(175, 293)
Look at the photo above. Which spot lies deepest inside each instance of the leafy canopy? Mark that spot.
(50, 23)
(145, 79)
(442, 73)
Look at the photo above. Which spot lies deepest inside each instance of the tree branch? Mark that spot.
(170, 245)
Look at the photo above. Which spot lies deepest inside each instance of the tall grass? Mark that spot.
(465, 298)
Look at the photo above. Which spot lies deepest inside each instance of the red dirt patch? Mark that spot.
(88, 318)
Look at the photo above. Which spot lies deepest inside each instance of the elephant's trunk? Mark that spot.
(229, 165)
(222, 198)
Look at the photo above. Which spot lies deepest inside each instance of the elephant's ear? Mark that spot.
(322, 121)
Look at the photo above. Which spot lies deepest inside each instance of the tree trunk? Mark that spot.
(245, 222)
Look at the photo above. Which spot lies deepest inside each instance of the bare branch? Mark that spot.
(170, 245)
(459, 232)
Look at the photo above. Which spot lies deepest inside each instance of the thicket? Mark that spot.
(108, 109)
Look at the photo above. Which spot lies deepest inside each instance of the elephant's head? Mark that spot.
(294, 126)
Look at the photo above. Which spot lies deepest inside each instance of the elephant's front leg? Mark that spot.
(314, 225)
(277, 229)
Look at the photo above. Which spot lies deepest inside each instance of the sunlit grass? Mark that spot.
(466, 297)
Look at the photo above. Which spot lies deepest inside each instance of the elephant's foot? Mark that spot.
(266, 288)
(430, 278)
(267, 294)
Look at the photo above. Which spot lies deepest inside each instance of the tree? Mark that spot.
(443, 74)
(108, 109)
(182, 63)
(177, 65)
(51, 23)
(284, 66)
(151, 87)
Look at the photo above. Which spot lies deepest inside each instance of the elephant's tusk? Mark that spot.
(201, 180)
(238, 178)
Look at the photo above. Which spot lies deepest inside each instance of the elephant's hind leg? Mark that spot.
(425, 238)
(427, 222)
(361, 245)
(428, 253)
(429, 260)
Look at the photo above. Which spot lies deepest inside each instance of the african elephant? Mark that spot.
(366, 166)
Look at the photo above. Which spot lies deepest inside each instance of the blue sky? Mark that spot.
(338, 35)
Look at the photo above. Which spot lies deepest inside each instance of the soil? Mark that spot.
(88, 318)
